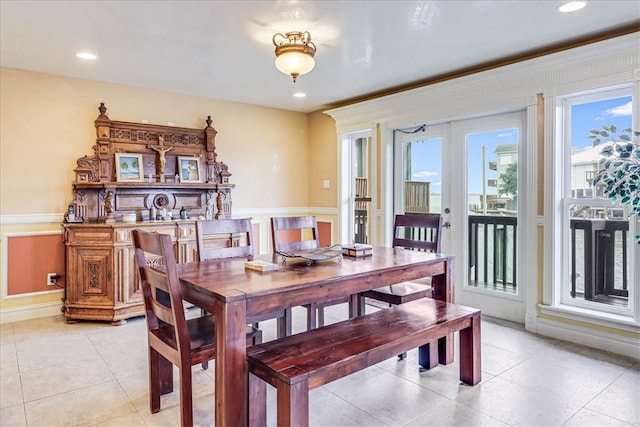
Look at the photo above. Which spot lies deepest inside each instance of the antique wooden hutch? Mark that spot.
(135, 173)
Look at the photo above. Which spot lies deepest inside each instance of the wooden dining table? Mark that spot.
(232, 293)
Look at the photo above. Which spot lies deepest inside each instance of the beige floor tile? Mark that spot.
(588, 418)
(443, 379)
(63, 377)
(515, 404)
(129, 420)
(137, 388)
(203, 413)
(496, 360)
(589, 361)
(388, 399)
(630, 378)
(12, 416)
(513, 338)
(54, 350)
(92, 373)
(554, 379)
(7, 342)
(327, 409)
(620, 402)
(91, 405)
(10, 386)
(455, 415)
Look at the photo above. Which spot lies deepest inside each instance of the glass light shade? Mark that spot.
(295, 63)
(571, 6)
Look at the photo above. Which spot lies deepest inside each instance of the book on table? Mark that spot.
(260, 265)
(357, 250)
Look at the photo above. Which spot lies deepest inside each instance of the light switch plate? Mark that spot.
(326, 183)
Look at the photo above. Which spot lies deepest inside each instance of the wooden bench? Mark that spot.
(298, 363)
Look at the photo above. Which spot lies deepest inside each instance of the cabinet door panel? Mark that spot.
(95, 270)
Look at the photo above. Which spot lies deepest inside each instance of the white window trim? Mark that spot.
(555, 224)
(612, 61)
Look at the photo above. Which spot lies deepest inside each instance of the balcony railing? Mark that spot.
(599, 260)
(492, 252)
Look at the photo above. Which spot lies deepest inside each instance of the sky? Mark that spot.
(426, 155)
(426, 159)
(595, 114)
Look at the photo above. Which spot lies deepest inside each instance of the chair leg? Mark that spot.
(311, 316)
(154, 381)
(186, 398)
(353, 306)
(284, 324)
(205, 364)
(428, 355)
(320, 317)
(166, 375)
(160, 379)
(361, 303)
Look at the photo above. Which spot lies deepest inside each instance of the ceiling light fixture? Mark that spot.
(294, 53)
(571, 6)
(86, 55)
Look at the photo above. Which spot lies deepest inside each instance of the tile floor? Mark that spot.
(95, 374)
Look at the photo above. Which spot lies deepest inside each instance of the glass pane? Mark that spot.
(594, 125)
(492, 187)
(423, 176)
(599, 246)
(362, 196)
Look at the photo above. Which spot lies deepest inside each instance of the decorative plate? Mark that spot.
(320, 254)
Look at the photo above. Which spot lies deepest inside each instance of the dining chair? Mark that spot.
(233, 238)
(413, 232)
(300, 233)
(172, 338)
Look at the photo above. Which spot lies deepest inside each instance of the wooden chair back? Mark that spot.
(239, 235)
(418, 231)
(156, 262)
(294, 223)
(173, 339)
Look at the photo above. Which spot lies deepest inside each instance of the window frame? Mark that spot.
(556, 296)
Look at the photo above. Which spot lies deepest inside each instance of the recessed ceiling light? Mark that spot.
(299, 95)
(571, 6)
(87, 55)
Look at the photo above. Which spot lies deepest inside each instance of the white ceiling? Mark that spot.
(223, 49)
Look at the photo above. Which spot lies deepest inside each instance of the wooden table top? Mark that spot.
(228, 280)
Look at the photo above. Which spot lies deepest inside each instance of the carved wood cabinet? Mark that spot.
(101, 277)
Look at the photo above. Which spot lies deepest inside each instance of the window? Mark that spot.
(597, 244)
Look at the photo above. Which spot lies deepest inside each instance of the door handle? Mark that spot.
(447, 224)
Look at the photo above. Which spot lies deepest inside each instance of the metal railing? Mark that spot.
(599, 259)
(492, 252)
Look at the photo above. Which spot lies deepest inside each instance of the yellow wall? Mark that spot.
(323, 163)
(47, 123)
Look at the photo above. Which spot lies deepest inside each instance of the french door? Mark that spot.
(468, 172)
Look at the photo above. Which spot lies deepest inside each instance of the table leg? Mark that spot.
(443, 289)
(471, 353)
(231, 396)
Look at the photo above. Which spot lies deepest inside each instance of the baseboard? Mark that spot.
(28, 312)
(625, 346)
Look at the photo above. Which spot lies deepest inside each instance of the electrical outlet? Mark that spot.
(51, 279)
